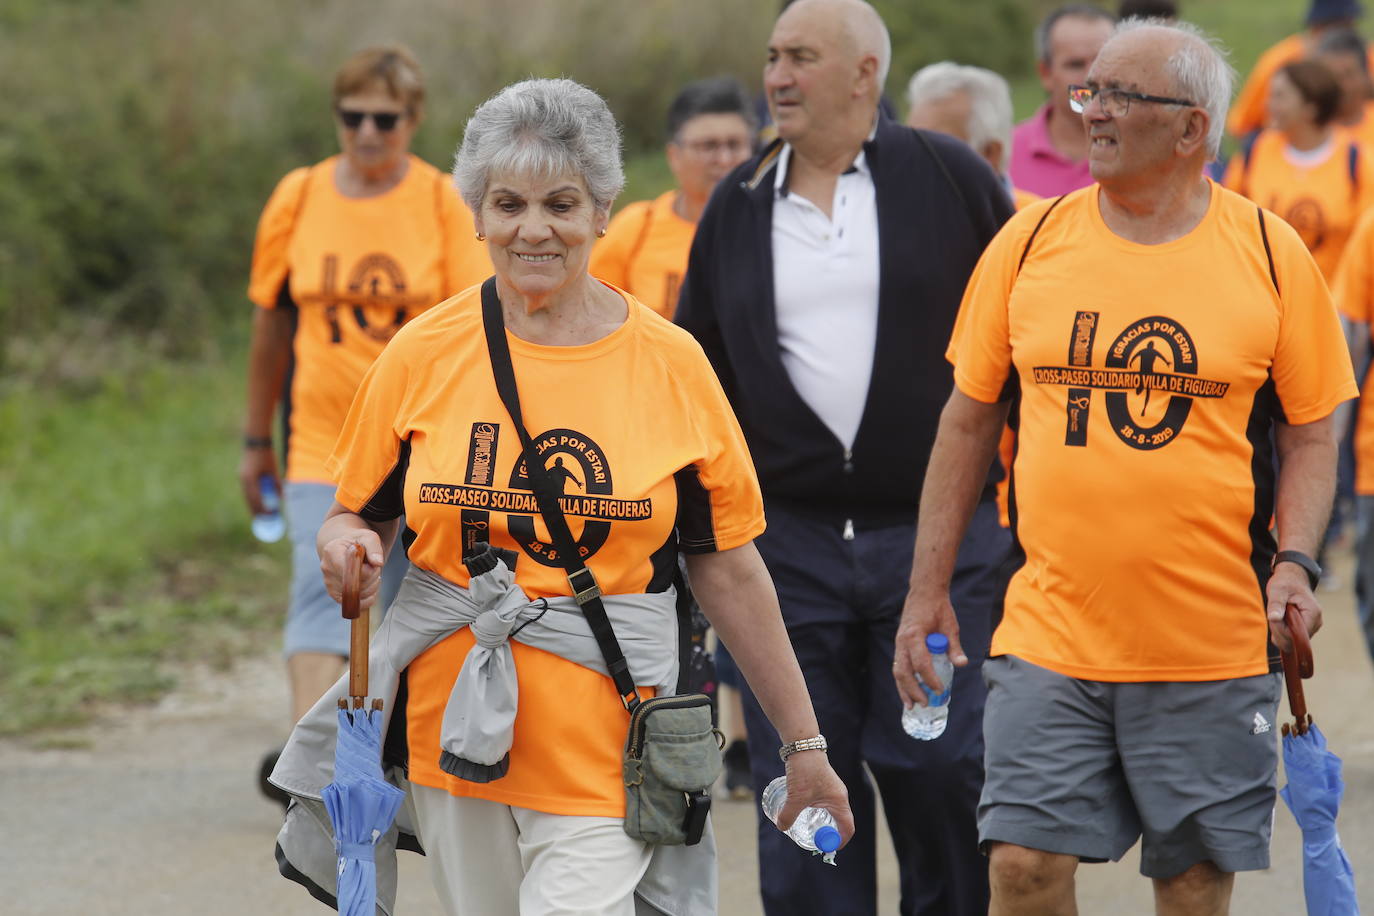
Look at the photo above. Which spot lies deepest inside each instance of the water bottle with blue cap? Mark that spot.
(928, 722)
(814, 828)
(268, 525)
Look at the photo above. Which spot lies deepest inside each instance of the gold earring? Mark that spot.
(601, 233)
(481, 237)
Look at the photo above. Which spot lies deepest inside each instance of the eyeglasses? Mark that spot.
(383, 120)
(1115, 102)
(708, 148)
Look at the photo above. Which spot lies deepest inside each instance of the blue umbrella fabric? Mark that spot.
(1313, 794)
(361, 806)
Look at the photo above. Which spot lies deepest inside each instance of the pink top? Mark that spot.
(1037, 166)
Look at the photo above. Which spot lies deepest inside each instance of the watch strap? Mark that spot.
(1309, 565)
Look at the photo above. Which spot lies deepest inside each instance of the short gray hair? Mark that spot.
(1199, 69)
(545, 128)
(989, 99)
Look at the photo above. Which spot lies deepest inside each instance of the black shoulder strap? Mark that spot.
(1268, 252)
(1036, 231)
(1352, 164)
(585, 591)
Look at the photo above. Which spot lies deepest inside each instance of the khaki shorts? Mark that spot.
(1085, 768)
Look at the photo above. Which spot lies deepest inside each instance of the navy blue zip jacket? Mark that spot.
(939, 205)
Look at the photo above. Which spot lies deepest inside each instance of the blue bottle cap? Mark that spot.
(937, 643)
(827, 839)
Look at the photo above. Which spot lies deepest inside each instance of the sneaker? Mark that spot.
(269, 763)
(738, 782)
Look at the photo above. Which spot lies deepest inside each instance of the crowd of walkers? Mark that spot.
(1063, 400)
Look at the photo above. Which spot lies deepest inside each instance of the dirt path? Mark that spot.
(155, 811)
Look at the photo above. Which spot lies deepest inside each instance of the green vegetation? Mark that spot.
(146, 139)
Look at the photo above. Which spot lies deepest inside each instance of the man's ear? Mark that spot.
(995, 154)
(1195, 130)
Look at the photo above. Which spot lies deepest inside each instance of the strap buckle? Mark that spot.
(584, 587)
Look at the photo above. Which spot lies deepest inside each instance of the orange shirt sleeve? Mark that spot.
(980, 345)
(465, 259)
(1353, 287)
(611, 255)
(369, 445)
(270, 265)
(720, 505)
(1312, 371)
(1234, 176)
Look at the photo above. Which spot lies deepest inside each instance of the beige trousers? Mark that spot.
(489, 859)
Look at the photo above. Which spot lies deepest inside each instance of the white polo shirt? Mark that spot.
(825, 288)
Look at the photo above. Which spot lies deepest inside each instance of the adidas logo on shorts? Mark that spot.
(1261, 725)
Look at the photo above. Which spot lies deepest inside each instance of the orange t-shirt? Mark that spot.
(652, 460)
(645, 252)
(356, 270)
(1006, 446)
(1354, 292)
(1249, 113)
(1144, 483)
(1322, 202)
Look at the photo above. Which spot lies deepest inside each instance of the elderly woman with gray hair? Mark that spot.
(628, 428)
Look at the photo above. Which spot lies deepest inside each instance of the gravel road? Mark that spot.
(154, 811)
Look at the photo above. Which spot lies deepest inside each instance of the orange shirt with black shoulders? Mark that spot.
(1354, 292)
(641, 437)
(1149, 378)
(645, 252)
(1322, 201)
(355, 269)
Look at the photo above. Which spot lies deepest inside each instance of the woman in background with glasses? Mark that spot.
(710, 131)
(347, 251)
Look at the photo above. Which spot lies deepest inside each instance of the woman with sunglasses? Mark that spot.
(347, 251)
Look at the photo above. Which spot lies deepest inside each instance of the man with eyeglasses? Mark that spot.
(1163, 341)
(710, 131)
(823, 283)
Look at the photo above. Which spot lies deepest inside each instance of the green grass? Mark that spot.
(123, 534)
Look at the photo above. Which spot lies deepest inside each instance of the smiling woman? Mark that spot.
(640, 478)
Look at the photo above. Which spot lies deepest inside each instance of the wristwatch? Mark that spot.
(1309, 565)
(805, 744)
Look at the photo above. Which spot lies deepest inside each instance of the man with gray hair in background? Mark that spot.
(970, 104)
(1051, 149)
(1169, 345)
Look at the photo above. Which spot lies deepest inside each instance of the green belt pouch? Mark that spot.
(672, 758)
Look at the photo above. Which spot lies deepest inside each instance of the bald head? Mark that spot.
(854, 23)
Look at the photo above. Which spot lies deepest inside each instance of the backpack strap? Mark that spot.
(1268, 252)
(1036, 231)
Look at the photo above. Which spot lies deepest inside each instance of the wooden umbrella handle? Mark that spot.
(1297, 664)
(352, 610)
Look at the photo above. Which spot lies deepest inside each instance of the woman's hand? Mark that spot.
(256, 464)
(334, 563)
(811, 783)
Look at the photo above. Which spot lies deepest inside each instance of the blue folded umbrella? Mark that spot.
(361, 806)
(1313, 794)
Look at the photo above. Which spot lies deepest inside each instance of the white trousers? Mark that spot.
(489, 859)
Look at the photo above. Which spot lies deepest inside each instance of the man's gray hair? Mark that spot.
(1199, 69)
(543, 128)
(989, 100)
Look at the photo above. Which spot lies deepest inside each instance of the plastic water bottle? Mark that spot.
(928, 722)
(814, 828)
(269, 527)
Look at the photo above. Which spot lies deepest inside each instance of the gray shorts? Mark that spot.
(313, 620)
(1085, 768)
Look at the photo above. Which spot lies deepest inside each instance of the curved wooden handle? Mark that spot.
(1297, 664)
(353, 581)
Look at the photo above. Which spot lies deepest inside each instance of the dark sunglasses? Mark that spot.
(384, 120)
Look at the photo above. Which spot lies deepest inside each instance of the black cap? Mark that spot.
(1324, 11)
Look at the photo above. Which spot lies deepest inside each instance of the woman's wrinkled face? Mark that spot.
(539, 230)
(374, 128)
